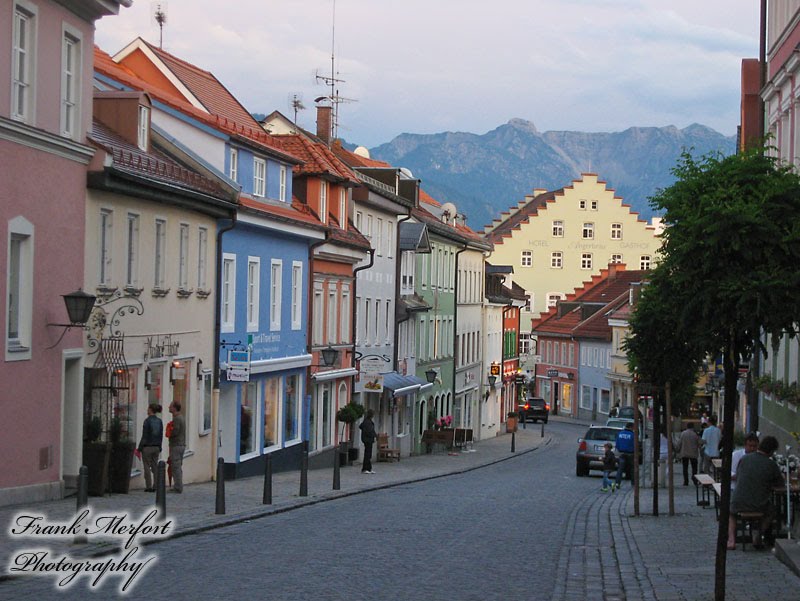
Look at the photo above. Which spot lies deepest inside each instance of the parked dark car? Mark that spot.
(534, 409)
(591, 448)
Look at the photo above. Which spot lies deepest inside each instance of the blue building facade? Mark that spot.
(594, 392)
(264, 287)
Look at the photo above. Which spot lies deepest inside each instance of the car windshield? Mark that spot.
(609, 434)
(617, 423)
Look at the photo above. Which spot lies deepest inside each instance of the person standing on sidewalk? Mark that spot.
(711, 438)
(609, 461)
(177, 445)
(688, 447)
(625, 450)
(368, 436)
(150, 445)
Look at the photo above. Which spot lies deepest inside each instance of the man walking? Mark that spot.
(368, 436)
(688, 447)
(625, 450)
(177, 445)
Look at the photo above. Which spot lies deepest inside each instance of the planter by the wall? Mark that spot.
(121, 464)
(96, 457)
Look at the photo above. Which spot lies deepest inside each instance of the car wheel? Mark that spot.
(581, 469)
(545, 420)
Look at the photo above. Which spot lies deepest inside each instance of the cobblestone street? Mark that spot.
(522, 527)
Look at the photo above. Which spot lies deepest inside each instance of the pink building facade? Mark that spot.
(45, 112)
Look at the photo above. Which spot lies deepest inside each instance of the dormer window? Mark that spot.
(143, 137)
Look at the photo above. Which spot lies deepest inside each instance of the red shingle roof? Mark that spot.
(319, 160)
(356, 160)
(104, 64)
(214, 96)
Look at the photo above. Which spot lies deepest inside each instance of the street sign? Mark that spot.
(494, 369)
(520, 379)
(238, 366)
(552, 373)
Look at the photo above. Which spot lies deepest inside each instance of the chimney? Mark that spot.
(324, 123)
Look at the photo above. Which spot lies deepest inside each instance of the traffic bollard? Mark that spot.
(304, 471)
(542, 435)
(83, 499)
(267, 499)
(161, 490)
(219, 508)
(513, 442)
(524, 422)
(336, 467)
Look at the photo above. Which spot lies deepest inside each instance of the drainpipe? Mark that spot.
(217, 345)
(455, 319)
(354, 312)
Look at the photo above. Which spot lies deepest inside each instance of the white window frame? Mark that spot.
(275, 293)
(132, 262)
(297, 294)
(379, 237)
(331, 321)
(343, 207)
(228, 293)
(71, 64)
(202, 262)
(233, 164)
(526, 258)
(23, 62)
(593, 205)
(19, 278)
(645, 261)
(143, 127)
(368, 233)
(582, 204)
(282, 183)
(616, 231)
(323, 201)
(587, 233)
(377, 339)
(587, 260)
(183, 257)
(389, 238)
(344, 315)
(160, 255)
(558, 228)
(105, 267)
(318, 307)
(616, 258)
(253, 292)
(359, 220)
(259, 177)
(556, 260)
(553, 298)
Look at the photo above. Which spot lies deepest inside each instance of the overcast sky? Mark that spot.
(428, 66)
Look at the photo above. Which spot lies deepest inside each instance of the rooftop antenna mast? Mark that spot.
(160, 17)
(332, 80)
(297, 105)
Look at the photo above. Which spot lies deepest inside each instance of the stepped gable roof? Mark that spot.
(515, 220)
(256, 137)
(318, 158)
(201, 84)
(152, 165)
(609, 286)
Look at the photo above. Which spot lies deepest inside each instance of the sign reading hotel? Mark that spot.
(370, 369)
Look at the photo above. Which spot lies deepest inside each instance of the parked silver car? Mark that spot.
(592, 447)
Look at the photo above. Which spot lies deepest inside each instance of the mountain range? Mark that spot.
(486, 174)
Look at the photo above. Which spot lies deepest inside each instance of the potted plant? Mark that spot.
(511, 422)
(348, 415)
(121, 458)
(96, 456)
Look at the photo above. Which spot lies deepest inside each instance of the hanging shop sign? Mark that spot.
(238, 366)
(373, 380)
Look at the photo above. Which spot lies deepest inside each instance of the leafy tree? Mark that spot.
(729, 271)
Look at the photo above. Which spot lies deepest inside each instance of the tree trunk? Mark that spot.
(670, 464)
(731, 366)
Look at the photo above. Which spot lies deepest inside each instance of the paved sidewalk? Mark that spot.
(609, 554)
(193, 510)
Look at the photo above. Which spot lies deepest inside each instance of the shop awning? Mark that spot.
(401, 385)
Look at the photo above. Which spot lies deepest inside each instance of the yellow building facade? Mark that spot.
(556, 240)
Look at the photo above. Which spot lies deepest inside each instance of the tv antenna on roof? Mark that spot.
(296, 102)
(160, 17)
(332, 79)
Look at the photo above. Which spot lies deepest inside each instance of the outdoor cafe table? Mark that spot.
(779, 502)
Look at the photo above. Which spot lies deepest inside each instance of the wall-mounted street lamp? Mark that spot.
(329, 356)
(430, 375)
(79, 308)
(199, 369)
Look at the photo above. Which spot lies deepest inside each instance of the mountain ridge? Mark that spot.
(485, 174)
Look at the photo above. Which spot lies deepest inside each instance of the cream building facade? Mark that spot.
(557, 240)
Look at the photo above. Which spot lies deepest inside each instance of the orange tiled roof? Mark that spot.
(211, 93)
(103, 63)
(428, 199)
(296, 212)
(318, 158)
(356, 160)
